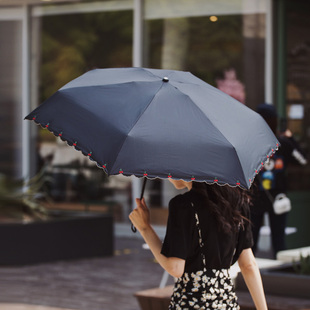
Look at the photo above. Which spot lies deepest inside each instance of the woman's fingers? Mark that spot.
(133, 215)
(140, 216)
(141, 203)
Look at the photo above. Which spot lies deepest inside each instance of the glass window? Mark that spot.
(11, 97)
(70, 45)
(297, 87)
(222, 42)
(75, 43)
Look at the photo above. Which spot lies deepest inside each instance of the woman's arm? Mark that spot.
(140, 218)
(252, 278)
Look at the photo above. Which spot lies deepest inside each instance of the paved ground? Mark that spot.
(10, 306)
(89, 284)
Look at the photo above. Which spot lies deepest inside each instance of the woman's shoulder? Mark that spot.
(185, 200)
(181, 200)
(180, 208)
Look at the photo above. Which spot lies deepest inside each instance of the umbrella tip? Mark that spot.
(165, 79)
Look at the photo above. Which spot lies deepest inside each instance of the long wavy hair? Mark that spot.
(225, 203)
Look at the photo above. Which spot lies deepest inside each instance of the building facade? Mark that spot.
(255, 50)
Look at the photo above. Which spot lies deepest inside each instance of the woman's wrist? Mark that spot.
(145, 227)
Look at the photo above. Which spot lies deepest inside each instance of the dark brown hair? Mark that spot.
(226, 203)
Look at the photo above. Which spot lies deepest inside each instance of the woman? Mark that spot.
(272, 180)
(207, 231)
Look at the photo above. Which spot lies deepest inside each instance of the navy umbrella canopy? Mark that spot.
(159, 124)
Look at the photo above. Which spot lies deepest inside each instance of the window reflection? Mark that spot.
(72, 44)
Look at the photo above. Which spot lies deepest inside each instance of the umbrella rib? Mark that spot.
(245, 179)
(137, 120)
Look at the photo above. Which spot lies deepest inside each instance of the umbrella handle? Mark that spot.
(133, 228)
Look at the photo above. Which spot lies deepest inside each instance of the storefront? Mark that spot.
(255, 50)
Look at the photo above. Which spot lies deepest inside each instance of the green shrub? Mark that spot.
(20, 199)
(303, 266)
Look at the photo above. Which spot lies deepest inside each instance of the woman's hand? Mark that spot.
(140, 216)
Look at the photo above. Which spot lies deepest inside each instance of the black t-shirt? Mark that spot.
(181, 240)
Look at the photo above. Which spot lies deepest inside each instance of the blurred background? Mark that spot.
(255, 50)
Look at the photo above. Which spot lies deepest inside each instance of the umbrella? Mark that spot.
(159, 124)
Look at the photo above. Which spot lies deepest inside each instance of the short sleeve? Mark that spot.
(248, 237)
(245, 237)
(177, 241)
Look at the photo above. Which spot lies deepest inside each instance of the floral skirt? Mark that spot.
(207, 289)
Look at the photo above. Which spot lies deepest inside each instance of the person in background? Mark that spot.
(271, 181)
(207, 231)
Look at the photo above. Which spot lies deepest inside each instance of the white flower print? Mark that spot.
(197, 278)
(196, 284)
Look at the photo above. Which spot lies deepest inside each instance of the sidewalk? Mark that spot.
(89, 284)
(27, 307)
